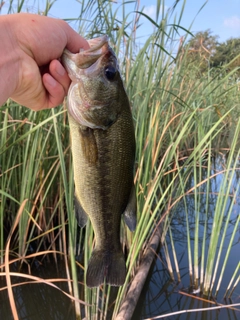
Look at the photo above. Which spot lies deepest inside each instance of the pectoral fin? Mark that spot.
(130, 213)
(80, 214)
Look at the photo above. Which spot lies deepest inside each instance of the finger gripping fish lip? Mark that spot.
(84, 59)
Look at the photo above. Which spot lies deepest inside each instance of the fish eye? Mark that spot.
(110, 72)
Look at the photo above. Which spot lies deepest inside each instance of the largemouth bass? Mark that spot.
(103, 150)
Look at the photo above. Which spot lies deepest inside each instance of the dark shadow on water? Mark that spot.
(38, 301)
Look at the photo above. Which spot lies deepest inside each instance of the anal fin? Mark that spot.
(130, 213)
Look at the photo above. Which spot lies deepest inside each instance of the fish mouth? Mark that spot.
(82, 107)
(85, 58)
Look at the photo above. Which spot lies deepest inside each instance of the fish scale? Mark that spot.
(103, 149)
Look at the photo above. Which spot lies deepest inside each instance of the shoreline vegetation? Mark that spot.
(185, 116)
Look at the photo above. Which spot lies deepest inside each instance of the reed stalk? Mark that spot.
(182, 123)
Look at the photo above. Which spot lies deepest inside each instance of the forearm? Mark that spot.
(9, 62)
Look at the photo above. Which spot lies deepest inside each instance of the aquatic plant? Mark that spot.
(182, 123)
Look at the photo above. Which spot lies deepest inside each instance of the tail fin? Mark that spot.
(106, 266)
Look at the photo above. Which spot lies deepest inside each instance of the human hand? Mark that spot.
(32, 44)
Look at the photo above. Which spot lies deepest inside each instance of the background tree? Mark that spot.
(204, 51)
(201, 48)
(227, 52)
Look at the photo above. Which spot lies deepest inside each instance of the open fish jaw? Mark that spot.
(84, 59)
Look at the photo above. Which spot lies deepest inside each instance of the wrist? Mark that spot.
(9, 60)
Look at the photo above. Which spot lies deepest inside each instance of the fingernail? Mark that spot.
(60, 70)
(51, 81)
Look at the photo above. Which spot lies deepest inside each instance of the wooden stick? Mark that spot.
(131, 299)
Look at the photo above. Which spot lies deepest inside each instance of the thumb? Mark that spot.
(74, 40)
